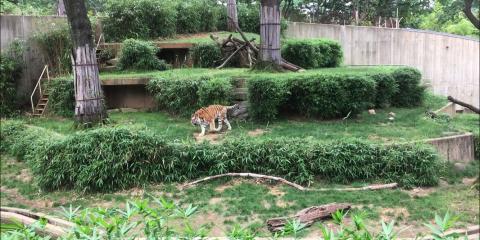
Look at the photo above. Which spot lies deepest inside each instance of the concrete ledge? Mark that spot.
(125, 81)
(458, 148)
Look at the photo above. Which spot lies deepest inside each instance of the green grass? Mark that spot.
(236, 72)
(410, 124)
(205, 37)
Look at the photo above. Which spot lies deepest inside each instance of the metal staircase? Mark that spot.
(41, 106)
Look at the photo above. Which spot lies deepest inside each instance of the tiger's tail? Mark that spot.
(232, 107)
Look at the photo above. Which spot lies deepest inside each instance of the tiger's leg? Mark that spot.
(220, 121)
(228, 124)
(212, 126)
(203, 130)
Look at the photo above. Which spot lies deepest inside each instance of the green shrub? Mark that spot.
(112, 158)
(11, 67)
(139, 19)
(248, 17)
(215, 91)
(265, 96)
(188, 17)
(61, 100)
(386, 88)
(206, 55)
(210, 12)
(315, 53)
(410, 93)
(141, 55)
(176, 96)
(185, 96)
(56, 46)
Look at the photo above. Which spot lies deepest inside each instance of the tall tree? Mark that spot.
(60, 8)
(89, 100)
(270, 31)
(232, 19)
(468, 12)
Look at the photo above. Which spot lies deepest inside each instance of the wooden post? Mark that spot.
(61, 8)
(270, 31)
(89, 100)
(232, 19)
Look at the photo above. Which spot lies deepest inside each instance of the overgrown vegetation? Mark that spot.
(56, 47)
(11, 67)
(206, 55)
(61, 100)
(410, 93)
(314, 53)
(183, 96)
(140, 55)
(126, 158)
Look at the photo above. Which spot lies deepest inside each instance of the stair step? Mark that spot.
(43, 99)
(37, 114)
(42, 104)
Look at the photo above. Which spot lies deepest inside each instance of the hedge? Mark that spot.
(315, 53)
(140, 55)
(410, 93)
(61, 99)
(11, 67)
(185, 96)
(206, 55)
(112, 158)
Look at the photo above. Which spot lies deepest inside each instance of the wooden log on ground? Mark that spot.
(307, 216)
(51, 220)
(48, 230)
(464, 104)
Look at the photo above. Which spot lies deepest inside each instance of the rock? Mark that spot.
(112, 62)
(125, 110)
(113, 110)
(371, 111)
(460, 166)
(391, 119)
(391, 114)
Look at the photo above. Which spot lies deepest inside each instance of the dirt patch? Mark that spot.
(24, 176)
(420, 192)
(215, 200)
(256, 132)
(389, 214)
(276, 191)
(469, 181)
(17, 198)
(229, 184)
(214, 138)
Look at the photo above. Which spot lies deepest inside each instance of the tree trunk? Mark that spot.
(270, 31)
(89, 100)
(468, 12)
(61, 8)
(232, 19)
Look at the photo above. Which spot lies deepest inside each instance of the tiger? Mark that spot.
(206, 116)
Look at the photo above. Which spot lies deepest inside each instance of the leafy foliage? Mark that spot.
(141, 55)
(184, 96)
(386, 87)
(206, 55)
(315, 53)
(124, 158)
(62, 97)
(265, 95)
(11, 67)
(410, 93)
(56, 46)
(142, 19)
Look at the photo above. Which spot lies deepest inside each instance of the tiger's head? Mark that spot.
(195, 120)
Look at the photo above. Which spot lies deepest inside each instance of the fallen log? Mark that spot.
(48, 230)
(307, 216)
(463, 104)
(253, 175)
(50, 219)
(282, 180)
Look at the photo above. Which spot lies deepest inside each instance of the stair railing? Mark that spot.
(39, 86)
(99, 39)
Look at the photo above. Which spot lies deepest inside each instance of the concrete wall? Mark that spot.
(23, 28)
(449, 63)
(455, 149)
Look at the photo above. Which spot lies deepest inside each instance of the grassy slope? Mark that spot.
(248, 203)
(235, 72)
(410, 124)
(205, 37)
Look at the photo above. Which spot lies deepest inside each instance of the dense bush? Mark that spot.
(184, 96)
(206, 55)
(265, 95)
(410, 93)
(138, 54)
(11, 67)
(330, 96)
(386, 88)
(56, 46)
(215, 91)
(188, 17)
(249, 17)
(61, 100)
(315, 53)
(139, 19)
(106, 159)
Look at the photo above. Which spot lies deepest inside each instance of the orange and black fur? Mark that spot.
(206, 116)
